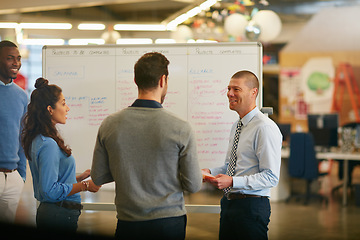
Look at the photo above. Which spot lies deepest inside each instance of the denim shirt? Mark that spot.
(53, 172)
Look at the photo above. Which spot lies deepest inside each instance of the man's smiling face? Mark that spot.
(10, 63)
(241, 97)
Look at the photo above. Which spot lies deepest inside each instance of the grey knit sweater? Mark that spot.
(151, 155)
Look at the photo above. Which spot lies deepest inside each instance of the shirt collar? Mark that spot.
(8, 84)
(246, 119)
(146, 103)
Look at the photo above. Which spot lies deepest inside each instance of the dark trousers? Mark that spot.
(49, 216)
(173, 228)
(246, 218)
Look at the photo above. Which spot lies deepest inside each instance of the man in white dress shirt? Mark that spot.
(252, 164)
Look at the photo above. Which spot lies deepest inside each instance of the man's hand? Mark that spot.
(93, 187)
(221, 181)
(206, 174)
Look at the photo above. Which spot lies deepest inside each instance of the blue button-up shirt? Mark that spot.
(53, 172)
(258, 155)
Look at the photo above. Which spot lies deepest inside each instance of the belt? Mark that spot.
(7, 170)
(69, 205)
(233, 196)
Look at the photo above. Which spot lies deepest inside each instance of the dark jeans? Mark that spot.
(173, 228)
(246, 218)
(49, 216)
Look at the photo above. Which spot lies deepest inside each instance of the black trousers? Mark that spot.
(49, 216)
(173, 228)
(246, 218)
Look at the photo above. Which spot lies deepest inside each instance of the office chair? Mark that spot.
(303, 164)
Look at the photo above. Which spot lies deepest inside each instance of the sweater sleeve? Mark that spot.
(22, 163)
(49, 160)
(190, 174)
(21, 153)
(100, 169)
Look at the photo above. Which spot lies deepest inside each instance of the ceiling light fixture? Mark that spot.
(164, 40)
(91, 26)
(8, 25)
(35, 41)
(134, 41)
(189, 14)
(83, 41)
(36, 25)
(139, 27)
(45, 25)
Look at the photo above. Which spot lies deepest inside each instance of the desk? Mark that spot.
(346, 157)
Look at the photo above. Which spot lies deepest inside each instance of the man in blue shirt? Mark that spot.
(252, 164)
(13, 103)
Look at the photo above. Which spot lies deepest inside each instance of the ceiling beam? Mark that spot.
(192, 4)
(21, 6)
(307, 7)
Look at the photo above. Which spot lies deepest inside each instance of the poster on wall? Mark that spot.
(308, 89)
(291, 92)
(318, 84)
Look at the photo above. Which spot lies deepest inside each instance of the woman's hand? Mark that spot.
(83, 175)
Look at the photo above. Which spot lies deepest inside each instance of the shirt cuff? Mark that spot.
(239, 182)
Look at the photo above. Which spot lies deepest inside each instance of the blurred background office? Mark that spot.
(311, 79)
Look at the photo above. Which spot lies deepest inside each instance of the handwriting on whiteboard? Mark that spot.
(99, 80)
(66, 72)
(81, 52)
(90, 110)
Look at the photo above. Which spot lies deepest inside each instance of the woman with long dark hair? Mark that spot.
(52, 166)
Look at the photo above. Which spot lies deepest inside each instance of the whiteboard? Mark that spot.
(99, 80)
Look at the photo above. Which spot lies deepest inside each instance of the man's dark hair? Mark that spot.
(149, 69)
(6, 43)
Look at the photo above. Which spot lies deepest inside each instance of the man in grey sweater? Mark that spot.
(151, 155)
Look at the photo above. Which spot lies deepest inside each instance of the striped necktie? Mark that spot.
(233, 157)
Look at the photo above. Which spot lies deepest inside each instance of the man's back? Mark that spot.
(151, 157)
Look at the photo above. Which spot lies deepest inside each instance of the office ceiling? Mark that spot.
(293, 13)
(143, 10)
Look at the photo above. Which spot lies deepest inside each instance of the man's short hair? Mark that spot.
(251, 79)
(149, 69)
(6, 43)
